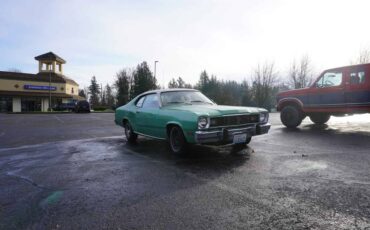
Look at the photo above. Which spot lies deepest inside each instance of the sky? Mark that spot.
(225, 38)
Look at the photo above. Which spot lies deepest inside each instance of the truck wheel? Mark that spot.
(319, 118)
(177, 141)
(129, 132)
(291, 117)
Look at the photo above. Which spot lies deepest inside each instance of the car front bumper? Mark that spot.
(226, 135)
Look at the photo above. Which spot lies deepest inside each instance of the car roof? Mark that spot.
(349, 66)
(168, 90)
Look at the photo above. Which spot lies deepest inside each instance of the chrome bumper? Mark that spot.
(226, 136)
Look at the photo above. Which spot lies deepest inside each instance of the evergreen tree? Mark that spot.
(246, 94)
(122, 85)
(143, 80)
(81, 93)
(103, 99)
(173, 84)
(94, 91)
(109, 98)
(179, 83)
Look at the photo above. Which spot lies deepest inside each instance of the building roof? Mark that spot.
(43, 77)
(39, 94)
(50, 56)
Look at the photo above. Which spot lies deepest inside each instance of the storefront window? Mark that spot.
(31, 104)
(6, 104)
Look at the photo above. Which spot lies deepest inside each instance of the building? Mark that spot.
(24, 92)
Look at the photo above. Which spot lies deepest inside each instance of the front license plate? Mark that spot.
(240, 138)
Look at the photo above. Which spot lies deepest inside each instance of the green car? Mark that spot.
(186, 116)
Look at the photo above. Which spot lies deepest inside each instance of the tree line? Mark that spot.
(259, 90)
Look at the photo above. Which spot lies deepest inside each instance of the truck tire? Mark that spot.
(291, 117)
(319, 118)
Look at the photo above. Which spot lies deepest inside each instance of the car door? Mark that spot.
(136, 117)
(357, 89)
(328, 90)
(147, 115)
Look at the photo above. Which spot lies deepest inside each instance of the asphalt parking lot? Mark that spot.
(76, 171)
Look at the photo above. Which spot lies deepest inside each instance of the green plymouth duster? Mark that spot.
(186, 116)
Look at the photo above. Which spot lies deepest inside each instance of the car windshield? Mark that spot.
(184, 97)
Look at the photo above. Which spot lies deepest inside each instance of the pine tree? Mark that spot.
(81, 93)
(94, 91)
(109, 98)
(143, 80)
(122, 85)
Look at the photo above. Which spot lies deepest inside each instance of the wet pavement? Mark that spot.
(76, 171)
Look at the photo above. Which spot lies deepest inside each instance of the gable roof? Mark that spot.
(50, 56)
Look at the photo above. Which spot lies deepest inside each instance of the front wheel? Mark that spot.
(177, 141)
(129, 132)
(319, 118)
(291, 117)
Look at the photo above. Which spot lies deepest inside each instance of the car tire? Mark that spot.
(177, 141)
(319, 118)
(131, 136)
(291, 117)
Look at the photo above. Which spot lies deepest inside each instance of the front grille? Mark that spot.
(234, 120)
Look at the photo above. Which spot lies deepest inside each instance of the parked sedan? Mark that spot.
(186, 116)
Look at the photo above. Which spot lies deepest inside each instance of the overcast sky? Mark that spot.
(226, 38)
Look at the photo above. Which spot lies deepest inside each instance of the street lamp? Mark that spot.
(155, 68)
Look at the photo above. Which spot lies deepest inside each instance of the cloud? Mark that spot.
(225, 38)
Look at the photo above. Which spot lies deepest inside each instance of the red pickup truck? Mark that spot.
(337, 92)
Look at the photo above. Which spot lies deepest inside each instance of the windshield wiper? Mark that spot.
(202, 102)
(178, 102)
(175, 102)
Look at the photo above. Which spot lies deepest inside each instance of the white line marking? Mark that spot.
(60, 120)
(57, 142)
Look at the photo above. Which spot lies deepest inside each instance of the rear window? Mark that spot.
(357, 78)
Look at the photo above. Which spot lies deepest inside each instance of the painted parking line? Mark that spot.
(60, 120)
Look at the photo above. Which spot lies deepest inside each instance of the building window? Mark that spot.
(29, 104)
(73, 91)
(6, 104)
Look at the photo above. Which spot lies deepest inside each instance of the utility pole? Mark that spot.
(49, 88)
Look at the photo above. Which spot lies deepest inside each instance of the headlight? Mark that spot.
(264, 117)
(203, 122)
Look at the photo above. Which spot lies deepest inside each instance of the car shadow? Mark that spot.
(197, 158)
(347, 136)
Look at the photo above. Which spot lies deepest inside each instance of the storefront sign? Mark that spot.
(40, 87)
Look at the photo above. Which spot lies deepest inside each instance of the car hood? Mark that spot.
(215, 110)
(293, 92)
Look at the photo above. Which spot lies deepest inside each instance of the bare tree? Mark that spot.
(263, 81)
(300, 75)
(362, 58)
